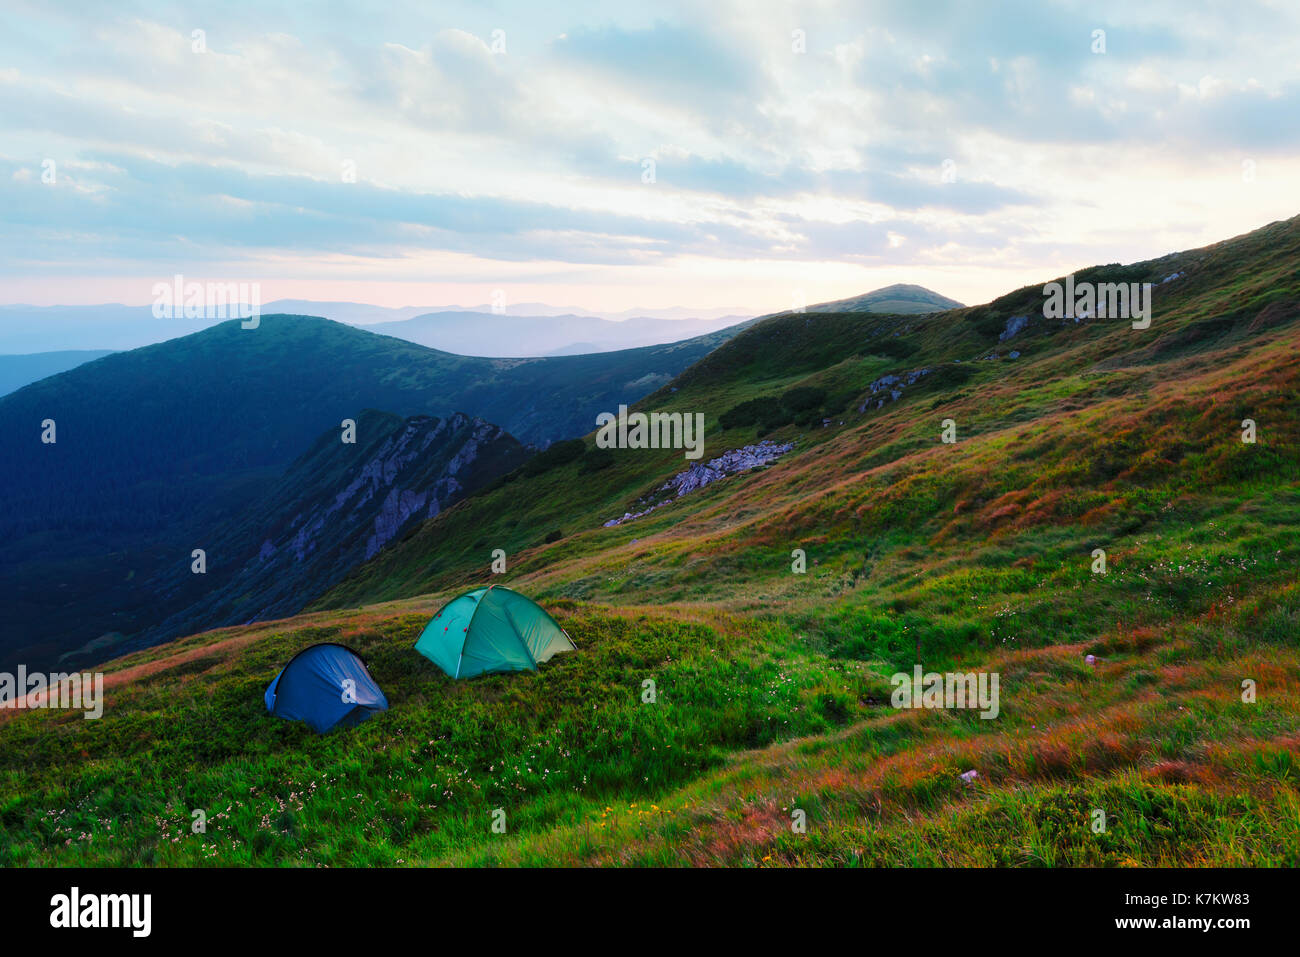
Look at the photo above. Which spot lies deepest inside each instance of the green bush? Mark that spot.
(802, 405)
(751, 412)
(892, 348)
(803, 398)
(596, 459)
(556, 455)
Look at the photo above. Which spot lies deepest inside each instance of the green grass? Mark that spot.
(418, 780)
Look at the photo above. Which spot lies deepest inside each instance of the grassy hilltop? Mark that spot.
(772, 687)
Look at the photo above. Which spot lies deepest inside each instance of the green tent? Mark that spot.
(491, 629)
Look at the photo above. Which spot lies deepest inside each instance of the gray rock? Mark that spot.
(706, 473)
(1015, 326)
(894, 384)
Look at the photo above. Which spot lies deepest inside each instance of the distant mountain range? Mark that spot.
(479, 334)
(17, 371)
(531, 329)
(111, 326)
(524, 329)
(636, 312)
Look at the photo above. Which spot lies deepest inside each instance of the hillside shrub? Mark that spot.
(554, 456)
(752, 412)
(596, 459)
(801, 405)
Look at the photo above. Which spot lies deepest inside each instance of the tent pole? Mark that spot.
(468, 626)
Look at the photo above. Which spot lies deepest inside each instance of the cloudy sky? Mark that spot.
(611, 155)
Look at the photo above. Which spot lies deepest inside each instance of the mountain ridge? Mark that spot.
(155, 446)
(336, 506)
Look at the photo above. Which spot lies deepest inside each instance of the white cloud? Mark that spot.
(767, 160)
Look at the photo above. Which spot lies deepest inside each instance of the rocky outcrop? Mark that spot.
(413, 474)
(398, 507)
(706, 473)
(340, 504)
(1015, 326)
(889, 388)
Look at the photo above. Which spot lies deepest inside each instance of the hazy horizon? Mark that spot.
(559, 309)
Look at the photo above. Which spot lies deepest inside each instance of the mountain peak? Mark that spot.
(899, 298)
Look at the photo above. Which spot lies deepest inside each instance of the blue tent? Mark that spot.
(327, 686)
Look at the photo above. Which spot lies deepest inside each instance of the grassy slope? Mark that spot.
(771, 685)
